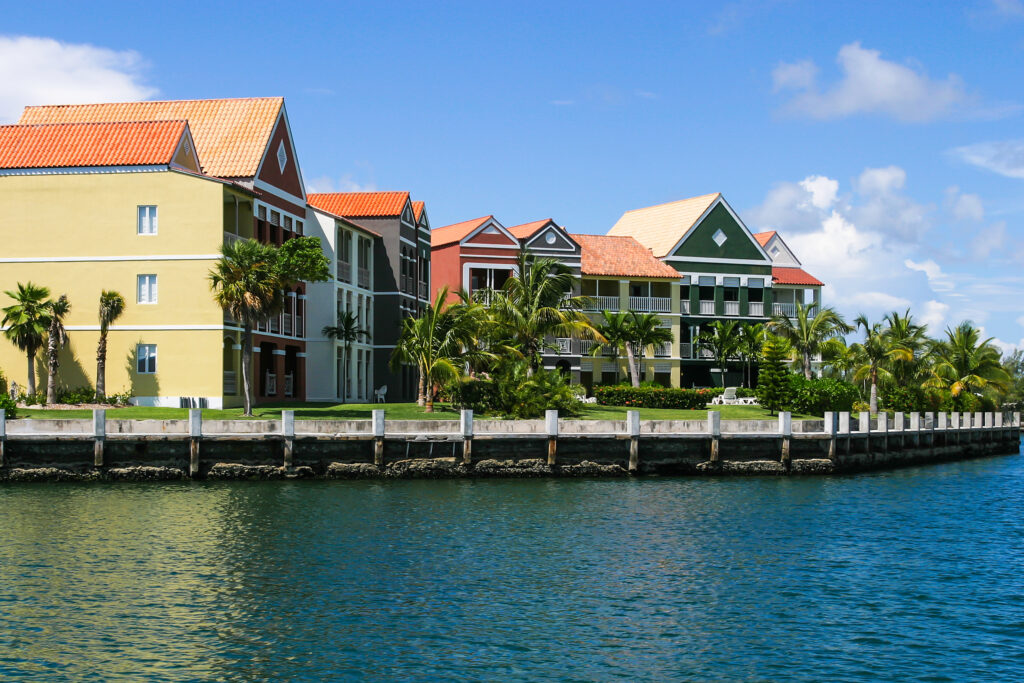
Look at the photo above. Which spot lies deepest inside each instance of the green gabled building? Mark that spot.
(725, 271)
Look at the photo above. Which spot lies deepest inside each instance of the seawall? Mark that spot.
(98, 449)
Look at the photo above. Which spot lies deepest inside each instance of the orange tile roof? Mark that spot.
(449, 234)
(661, 227)
(417, 209)
(527, 229)
(764, 237)
(619, 255)
(794, 276)
(360, 204)
(138, 143)
(231, 134)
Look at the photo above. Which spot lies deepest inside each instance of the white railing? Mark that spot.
(231, 238)
(706, 354)
(344, 271)
(275, 324)
(230, 382)
(585, 346)
(288, 324)
(423, 290)
(564, 345)
(788, 310)
(707, 307)
(271, 382)
(650, 304)
(663, 350)
(756, 308)
(482, 296)
(732, 307)
(685, 350)
(289, 384)
(684, 306)
(364, 277)
(602, 303)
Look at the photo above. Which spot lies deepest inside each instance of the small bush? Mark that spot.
(36, 399)
(509, 392)
(815, 396)
(8, 405)
(122, 399)
(3, 384)
(76, 395)
(653, 397)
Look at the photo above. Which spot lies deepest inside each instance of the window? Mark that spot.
(262, 213)
(719, 237)
(147, 220)
(145, 363)
(298, 227)
(287, 222)
(282, 156)
(147, 289)
(275, 217)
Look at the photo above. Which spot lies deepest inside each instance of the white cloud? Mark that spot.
(881, 180)
(823, 190)
(933, 314)
(870, 85)
(963, 206)
(877, 301)
(1005, 157)
(345, 183)
(46, 71)
(1008, 8)
(986, 240)
(937, 279)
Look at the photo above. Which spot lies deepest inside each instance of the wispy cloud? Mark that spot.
(45, 71)
(1009, 8)
(1005, 157)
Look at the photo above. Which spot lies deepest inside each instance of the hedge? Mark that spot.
(651, 397)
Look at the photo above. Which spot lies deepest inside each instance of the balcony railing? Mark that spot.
(684, 306)
(685, 350)
(482, 296)
(732, 307)
(289, 384)
(788, 310)
(707, 307)
(423, 290)
(275, 325)
(564, 345)
(271, 382)
(663, 351)
(344, 271)
(602, 303)
(364, 278)
(231, 238)
(706, 354)
(756, 308)
(650, 304)
(230, 383)
(300, 326)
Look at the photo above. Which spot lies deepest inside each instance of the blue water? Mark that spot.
(915, 574)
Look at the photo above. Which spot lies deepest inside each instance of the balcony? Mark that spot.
(564, 346)
(231, 238)
(270, 379)
(684, 306)
(732, 307)
(707, 307)
(423, 290)
(289, 385)
(685, 350)
(344, 271)
(364, 277)
(650, 304)
(482, 296)
(230, 383)
(788, 310)
(756, 308)
(706, 354)
(663, 350)
(602, 303)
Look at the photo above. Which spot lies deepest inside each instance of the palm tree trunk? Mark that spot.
(344, 371)
(51, 368)
(634, 374)
(247, 366)
(101, 368)
(873, 405)
(31, 353)
(421, 395)
(429, 402)
(807, 364)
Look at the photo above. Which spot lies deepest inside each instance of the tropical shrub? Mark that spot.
(653, 397)
(512, 392)
(122, 399)
(3, 383)
(815, 396)
(773, 377)
(77, 395)
(8, 405)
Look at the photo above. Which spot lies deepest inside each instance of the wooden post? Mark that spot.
(844, 428)
(551, 427)
(99, 430)
(786, 432)
(715, 430)
(378, 438)
(633, 428)
(195, 435)
(831, 426)
(288, 432)
(466, 426)
(3, 435)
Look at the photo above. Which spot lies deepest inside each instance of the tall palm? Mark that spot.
(111, 308)
(26, 322)
(616, 336)
(346, 331)
(839, 359)
(876, 356)
(965, 364)
(904, 332)
(246, 283)
(807, 331)
(645, 330)
(722, 338)
(750, 343)
(536, 304)
(56, 339)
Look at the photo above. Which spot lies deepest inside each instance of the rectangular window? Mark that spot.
(145, 359)
(298, 227)
(275, 217)
(147, 220)
(262, 213)
(147, 289)
(287, 222)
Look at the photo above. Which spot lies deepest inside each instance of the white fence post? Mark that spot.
(551, 427)
(288, 431)
(3, 435)
(715, 430)
(378, 437)
(633, 427)
(786, 432)
(466, 427)
(99, 430)
(195, 434)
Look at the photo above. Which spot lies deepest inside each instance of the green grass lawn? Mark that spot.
(393, 411)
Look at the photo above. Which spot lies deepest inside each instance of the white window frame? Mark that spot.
(150, 222)
(146, 284)
(144, 355)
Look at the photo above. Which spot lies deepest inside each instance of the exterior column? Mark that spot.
(623, 295)
(278, 366)
(300, 376)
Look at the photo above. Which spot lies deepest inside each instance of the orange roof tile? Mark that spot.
(449, 234)
(231, 134)
(619, 255)
(138, 143)
(764, 237)
(360, 204)
(661, 227)
(527, 229)
(417, 209)
(794, 276)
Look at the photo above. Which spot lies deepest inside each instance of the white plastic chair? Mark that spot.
(380, 394)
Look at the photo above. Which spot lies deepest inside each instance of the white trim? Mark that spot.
(142, 328)
(277, 352)
(282, 114)
(471, 246)
(730, 261)
(720, 278)
(192, 148)
(552, 226)
(711, 207)
(491, 222)
(300, 354)
(384, 346)
(490, 266)
(273, 335)
(93, 259)
(78, 170)
(277, 191)
(408, 241)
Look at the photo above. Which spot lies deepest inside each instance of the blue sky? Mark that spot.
(883, 140)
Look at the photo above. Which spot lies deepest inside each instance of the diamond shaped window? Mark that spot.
(282, 156)
(719, 237)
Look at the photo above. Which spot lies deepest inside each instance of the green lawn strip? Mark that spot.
(392, 411)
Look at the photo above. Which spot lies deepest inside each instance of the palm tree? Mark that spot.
(964, 365)
(246, 282)
(616, 335)
(57, 338)
(26, 322)
(839, 359)
(875, 357)
(111, 308)
(645, 330)
(904, 332)
(346, 331)
(807, 331)
(723, 340)
(750, 343)
(535, 304)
